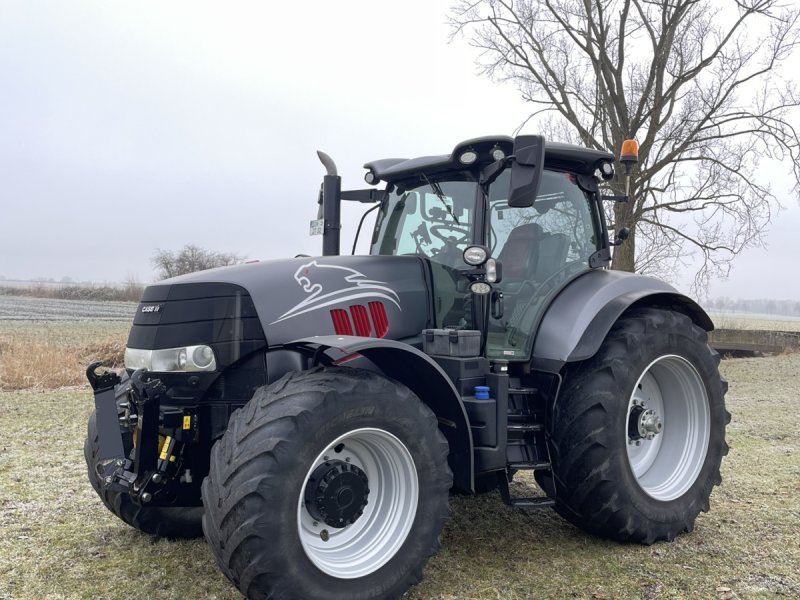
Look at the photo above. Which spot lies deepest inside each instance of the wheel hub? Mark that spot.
(336, 493)
(643, 423)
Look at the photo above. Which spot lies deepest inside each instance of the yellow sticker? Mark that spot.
(187, 422)
(165, 448)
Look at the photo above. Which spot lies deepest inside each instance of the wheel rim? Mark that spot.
(375, 537)
(668, 463)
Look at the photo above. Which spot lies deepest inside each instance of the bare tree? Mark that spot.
(189, 259)
(701, 85)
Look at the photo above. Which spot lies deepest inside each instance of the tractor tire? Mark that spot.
(330, 483)
(638, 434)
(169, 522)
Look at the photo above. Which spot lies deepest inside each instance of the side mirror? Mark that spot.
(622, 235)
(526, 170)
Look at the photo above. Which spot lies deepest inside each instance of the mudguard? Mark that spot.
(581, 315)
(425, 378)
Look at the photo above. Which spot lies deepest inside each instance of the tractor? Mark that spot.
(312, 415)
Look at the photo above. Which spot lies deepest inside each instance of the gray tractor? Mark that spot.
(311, 415)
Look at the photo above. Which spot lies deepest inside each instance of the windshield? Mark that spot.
(434, 220)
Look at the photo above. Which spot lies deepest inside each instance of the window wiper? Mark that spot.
(434, 185)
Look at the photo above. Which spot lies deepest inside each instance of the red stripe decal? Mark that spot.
(360, 320)
(379, 318)
(341, 322)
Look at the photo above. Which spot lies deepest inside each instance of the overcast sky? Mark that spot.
(127, 127)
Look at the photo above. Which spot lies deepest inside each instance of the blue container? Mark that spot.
(481, 392)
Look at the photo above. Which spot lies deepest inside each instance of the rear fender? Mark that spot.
(425, 378)
(579, 318)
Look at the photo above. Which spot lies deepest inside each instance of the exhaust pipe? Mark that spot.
(331, 201)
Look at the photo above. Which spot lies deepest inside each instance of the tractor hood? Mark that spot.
(237, 309)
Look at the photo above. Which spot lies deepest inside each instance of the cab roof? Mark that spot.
(567, 157)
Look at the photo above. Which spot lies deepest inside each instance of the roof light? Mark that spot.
(371, 178)
(606, 170)
(468, 157)
(497, 153)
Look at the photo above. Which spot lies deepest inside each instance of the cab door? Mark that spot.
(541, 248)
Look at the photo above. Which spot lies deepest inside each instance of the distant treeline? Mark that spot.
(131, 292)
(765, 306)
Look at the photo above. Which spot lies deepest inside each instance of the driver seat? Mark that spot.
(519, 254)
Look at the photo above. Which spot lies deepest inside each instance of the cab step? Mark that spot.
(529, 465)
(505, 495)
(539, 502)
(523, 391)
(525, 427)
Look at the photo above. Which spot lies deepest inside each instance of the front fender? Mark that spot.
(581, 315)
(425, 378)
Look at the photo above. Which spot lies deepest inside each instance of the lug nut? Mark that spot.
(146, 497)
(156, 478)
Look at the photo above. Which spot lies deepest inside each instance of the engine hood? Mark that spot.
(378, 296)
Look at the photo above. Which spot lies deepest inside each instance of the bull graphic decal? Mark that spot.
(327, 285)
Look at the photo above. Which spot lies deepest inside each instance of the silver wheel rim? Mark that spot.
(366, 545)
(667, 465)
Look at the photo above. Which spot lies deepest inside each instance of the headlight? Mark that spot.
(187, 358)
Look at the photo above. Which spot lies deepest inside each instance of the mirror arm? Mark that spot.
(366, 196)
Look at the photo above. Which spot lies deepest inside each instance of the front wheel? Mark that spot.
(329, 483)
(638, 433)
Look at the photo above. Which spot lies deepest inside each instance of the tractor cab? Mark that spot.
(538, 224)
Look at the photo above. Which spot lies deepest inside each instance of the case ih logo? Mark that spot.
(327, 285)
(151, 308)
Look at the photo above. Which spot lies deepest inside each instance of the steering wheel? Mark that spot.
(437, 230)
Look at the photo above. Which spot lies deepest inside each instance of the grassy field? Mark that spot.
(47, 354)
(60, 542)
(751, 321)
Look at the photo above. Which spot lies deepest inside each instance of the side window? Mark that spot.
(537, 241)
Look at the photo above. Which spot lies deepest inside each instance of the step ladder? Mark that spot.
(523, 421)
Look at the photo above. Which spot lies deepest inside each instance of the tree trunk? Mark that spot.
(625, 253)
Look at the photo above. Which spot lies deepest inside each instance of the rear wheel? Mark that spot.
(329, 483)
(638, 433)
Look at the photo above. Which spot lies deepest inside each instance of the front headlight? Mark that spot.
(175, 360)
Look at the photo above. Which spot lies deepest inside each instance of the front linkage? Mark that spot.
(150, 470)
